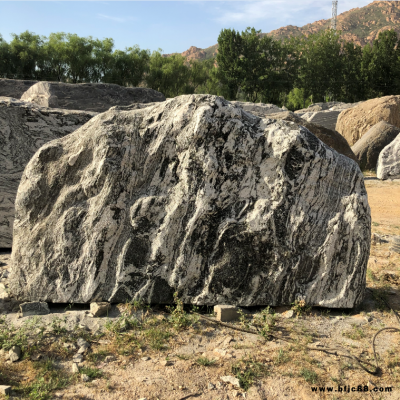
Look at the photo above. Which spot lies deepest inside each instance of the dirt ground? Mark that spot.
(154, 360)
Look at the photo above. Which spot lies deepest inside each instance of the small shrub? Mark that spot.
(309, 375)
(157, 338)
(179, 318)
(266, 320)
(92, 373)
(300, 307)
(282, 357)
(205, 361)
(248, 371)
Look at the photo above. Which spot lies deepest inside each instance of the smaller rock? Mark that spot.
(227, 340)
(14, 353)
(368, 318)
(2, 353)
(165, 363)
(5, 390)
(109, 359)
(34, 308)
(99, 309)
(36, 357)
(75, 368)
(288, 314)
(210, 386)
(82, 349)
(220, 352)
(232, 380)
(143, 398)
(78, 358)
(226, 313)
(85, 378)
(145, 358)
(82, 342)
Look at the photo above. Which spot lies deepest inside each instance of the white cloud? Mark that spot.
(281, 12)
(115, 19)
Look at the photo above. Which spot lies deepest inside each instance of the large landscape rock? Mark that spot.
(355, 122)
(195, 196)
(14, 87)
(330, 137)
(258, 108)
(24, 128)
(368, 148)
(96, 97)
(388, 166)
(327, 119)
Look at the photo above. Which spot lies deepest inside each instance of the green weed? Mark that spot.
(205, 361)
(309, 375)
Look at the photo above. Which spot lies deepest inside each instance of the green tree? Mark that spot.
(55, 65)
(128, 67)
(295, 99)
(229, 60)
(320, 65)
(26, 55)
(103, 60)
(353, 88)
(381, 65)
(79, 58)
(5, 59)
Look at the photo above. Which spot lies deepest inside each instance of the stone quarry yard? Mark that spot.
(140, 352)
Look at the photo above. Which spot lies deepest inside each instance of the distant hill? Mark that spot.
(360, 25)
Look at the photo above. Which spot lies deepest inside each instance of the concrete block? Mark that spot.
(5, 390)
(34, 308)
(226, 313)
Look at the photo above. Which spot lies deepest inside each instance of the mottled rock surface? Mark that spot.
(324, 118)
(368, 148)
(330, 137)
(24, 128)
(388, 166)
(97, 97)
(261, 108)
(355, 122)
(14, 87)
(192, 195)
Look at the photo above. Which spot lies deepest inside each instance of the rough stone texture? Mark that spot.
(355, 122)
(14, 353)
(34, 308)
(261, 108)
(192, 195)
(330, 137)
(368, 148)
(324, 118)
(98, 97)
(388, 165)
(24, 128)
(14, 87)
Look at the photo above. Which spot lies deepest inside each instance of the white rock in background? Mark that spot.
(388, 166)
(192, 195)
(24, 128)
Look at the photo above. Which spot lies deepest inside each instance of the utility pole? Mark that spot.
(334, 14)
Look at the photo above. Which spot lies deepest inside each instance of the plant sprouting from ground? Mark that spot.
(179, 318)
(300, 307)
(266, 321)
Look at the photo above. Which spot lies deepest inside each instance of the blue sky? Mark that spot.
(173, 26)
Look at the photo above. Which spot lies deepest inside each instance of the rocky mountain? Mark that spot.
(360, 25)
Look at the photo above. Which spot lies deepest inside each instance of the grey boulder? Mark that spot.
(330, 137)
(14, 87)
(388, 166)
(195, 196)
(368, 148)
(24, 128)
(97, 97)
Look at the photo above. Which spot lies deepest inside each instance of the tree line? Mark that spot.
(249, 66)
